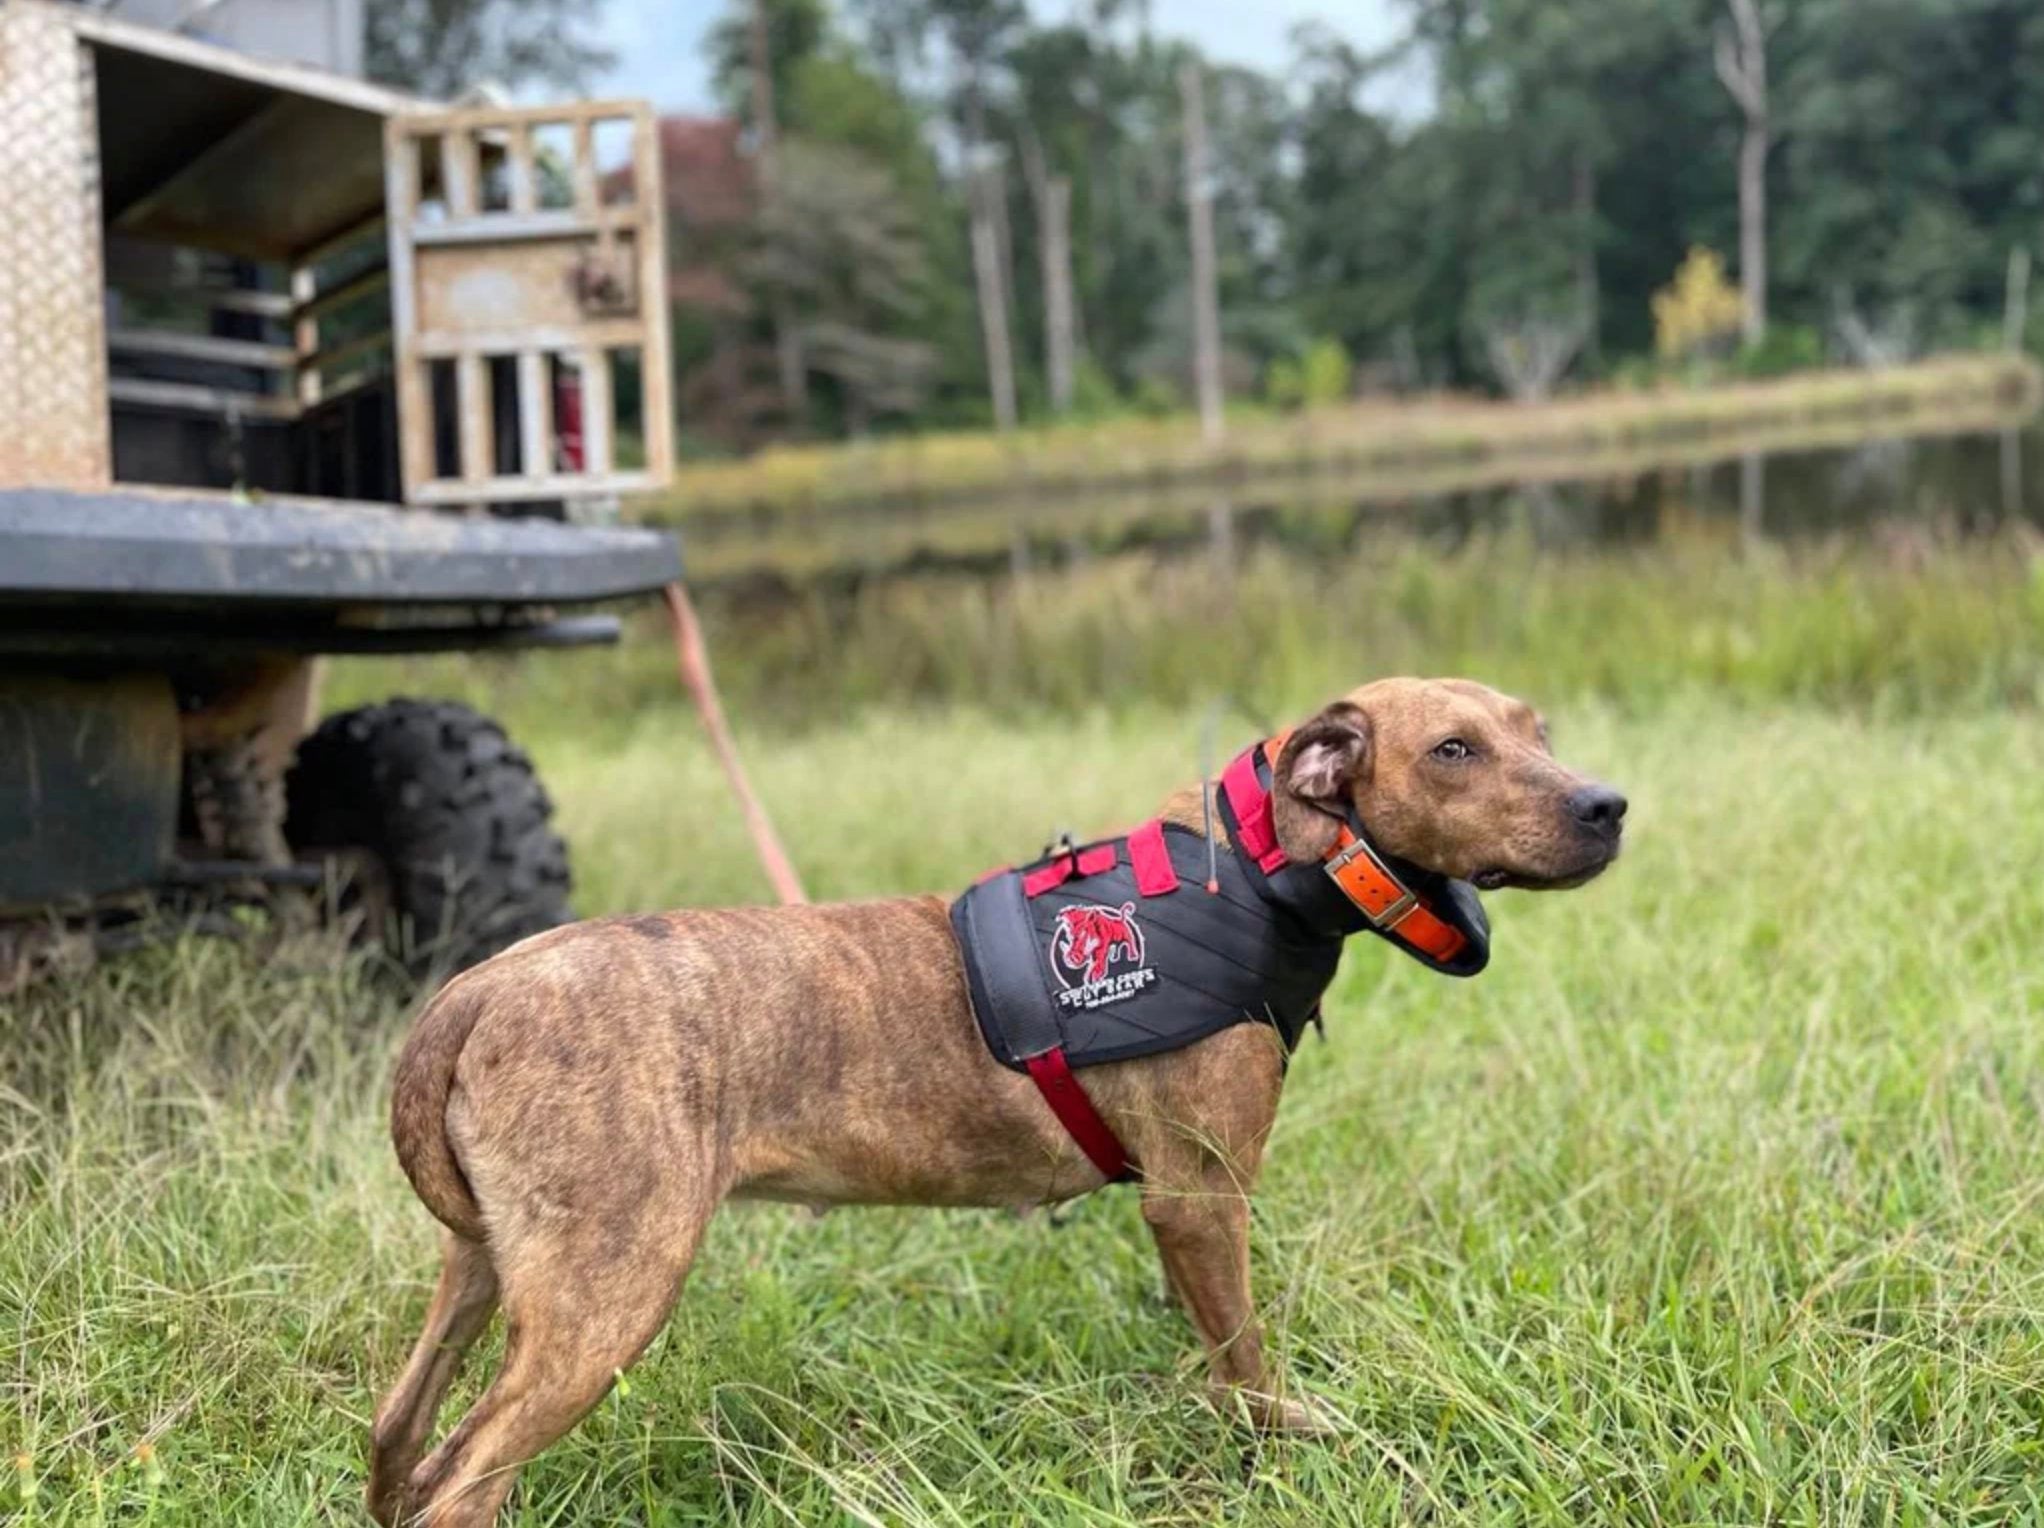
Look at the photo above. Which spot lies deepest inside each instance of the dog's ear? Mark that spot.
(1316, 773)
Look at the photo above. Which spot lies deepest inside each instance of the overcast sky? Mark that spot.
(659, 43)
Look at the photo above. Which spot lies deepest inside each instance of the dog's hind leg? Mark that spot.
(581, 1302)
(462, 1306)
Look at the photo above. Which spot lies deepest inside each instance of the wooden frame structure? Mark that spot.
(520, 278)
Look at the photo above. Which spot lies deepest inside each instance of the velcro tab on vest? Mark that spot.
(1155, 874)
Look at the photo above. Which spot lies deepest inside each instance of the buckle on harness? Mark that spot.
(1398, 910)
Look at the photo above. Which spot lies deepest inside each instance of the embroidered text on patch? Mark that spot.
(1088, 944)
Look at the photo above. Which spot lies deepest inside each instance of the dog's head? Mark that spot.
(1450, 776)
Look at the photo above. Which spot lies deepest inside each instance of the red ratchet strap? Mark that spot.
(1068, 1101)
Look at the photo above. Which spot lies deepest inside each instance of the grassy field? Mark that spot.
(1429, 443)
(1715, 1200)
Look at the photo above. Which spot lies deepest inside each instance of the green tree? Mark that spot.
(796, 30)
(1912, 157)
(842, 240)
(440, 48)
(1568, 158)
(842, 250)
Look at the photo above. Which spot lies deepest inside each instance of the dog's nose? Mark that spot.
(1598, 807)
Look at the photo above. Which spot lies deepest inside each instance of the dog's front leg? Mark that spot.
(1202, 1231)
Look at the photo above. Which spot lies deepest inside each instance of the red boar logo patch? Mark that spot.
(1096, 953)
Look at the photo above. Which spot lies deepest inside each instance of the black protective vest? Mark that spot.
(1119, 949)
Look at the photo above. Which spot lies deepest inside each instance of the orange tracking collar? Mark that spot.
(1437, 920)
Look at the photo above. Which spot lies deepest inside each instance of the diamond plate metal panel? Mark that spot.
(52, 322)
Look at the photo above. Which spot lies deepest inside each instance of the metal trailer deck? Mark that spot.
(147, 573)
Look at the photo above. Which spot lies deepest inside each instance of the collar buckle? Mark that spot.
(1402, 906)
(1388, 920)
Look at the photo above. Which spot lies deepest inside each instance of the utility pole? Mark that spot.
(788, 357)
(1206, 305)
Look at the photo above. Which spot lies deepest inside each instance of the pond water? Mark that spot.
(1953, 485)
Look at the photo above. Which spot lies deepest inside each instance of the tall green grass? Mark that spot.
(1716, 1200)
(1915, 622)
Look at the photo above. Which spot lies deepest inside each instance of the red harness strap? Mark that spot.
(1075, 1111)
(1048, 877)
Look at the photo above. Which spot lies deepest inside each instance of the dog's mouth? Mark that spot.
(1499, 878)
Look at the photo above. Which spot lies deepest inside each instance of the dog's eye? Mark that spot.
(1453, 750)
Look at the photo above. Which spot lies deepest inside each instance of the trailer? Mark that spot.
(292, 365)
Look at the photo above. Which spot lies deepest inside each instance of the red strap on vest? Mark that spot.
(1047, 877)
(1255, 826)
(1068, 1101)
(1156, 876)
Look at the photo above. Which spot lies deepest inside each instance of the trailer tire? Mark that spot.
(452, 815)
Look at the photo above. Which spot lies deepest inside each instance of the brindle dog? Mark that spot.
(574, 1110)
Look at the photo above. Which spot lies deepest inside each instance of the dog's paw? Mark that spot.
(385, 1502)
(1297, 1415)
(1301, 1416)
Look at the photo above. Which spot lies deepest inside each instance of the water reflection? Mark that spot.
(1956, 485)
(1752, 499)
(2012, 472)
(1221, 535)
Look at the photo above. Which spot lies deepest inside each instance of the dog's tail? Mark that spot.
(418, 1107)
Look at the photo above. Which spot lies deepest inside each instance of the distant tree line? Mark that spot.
(952, 213)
